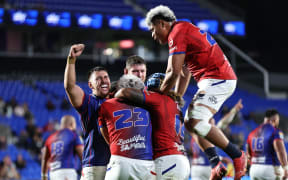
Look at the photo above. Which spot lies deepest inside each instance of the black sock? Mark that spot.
(212, 156)
(232, 151)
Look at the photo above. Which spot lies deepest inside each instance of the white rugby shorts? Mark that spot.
(120, 167)
(63, 174)
(199, 172)
(265, 172)
(176, 167)
(93, 173)
(212, 93)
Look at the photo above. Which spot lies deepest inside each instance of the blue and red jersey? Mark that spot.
(204, 57)
(129, 129)
(61, 149)
(96, 151)
(199, 158)
(163, 112)
(260, 144)
(179, 125)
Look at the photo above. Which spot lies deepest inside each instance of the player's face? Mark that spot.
(99, 82)
(159, 32)
(138, 70)
(276, 119)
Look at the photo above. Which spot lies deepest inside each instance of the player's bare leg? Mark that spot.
(218, 169)
(216, 137)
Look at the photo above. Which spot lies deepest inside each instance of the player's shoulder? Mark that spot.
(277, 130)
(110, 101)
(269, 127)
(151, 93)
(95, 100)
(182, 25)
(52, 136)
(180, 29)
(252, 133)
(66, 130)
(111, 104)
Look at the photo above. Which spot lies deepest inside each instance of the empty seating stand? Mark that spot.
(113, 7)
(182, 8)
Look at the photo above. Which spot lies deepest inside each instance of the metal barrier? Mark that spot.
(245, 57)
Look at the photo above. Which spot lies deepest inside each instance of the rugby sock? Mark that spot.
(232, 151)
(212, 156)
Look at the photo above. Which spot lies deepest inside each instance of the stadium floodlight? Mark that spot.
(234, 28)
(86, 21)
(24, 17)
(208, 25)
(61, 19)
(19, 17)
(120, 22)
(115, 22)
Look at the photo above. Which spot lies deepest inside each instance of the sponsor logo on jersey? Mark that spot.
(55, 165)
(135, 142)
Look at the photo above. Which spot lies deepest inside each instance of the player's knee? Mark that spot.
(190, 123)
(202, 128)
(197, 119)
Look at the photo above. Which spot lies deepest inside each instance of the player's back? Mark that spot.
(204, 57)
(260, 142)
(163, 112)
(129, 129)
(61, 146)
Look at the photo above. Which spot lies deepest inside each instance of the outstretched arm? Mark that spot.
(74, 92)
(174, 68)
(227, 119)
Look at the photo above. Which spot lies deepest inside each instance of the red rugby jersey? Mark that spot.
(163, 112)
(129, 129)
(204, 57)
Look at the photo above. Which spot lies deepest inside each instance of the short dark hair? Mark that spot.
(161, 17)
(134, 59)
(95, 69)
(160, 12)
(271, 112)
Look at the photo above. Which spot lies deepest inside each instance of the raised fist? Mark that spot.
(76, 50)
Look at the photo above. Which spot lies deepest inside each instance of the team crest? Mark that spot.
(212, 99)
(281, 135)
(170, 43)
